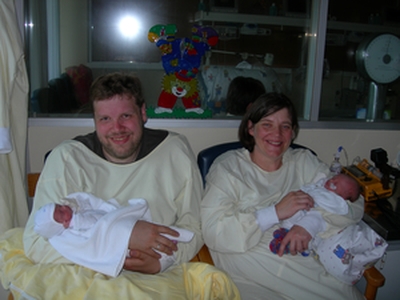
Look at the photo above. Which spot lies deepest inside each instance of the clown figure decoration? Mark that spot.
(181, 59)
(176, 87)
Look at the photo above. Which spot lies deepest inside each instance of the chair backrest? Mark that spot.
(206, 157)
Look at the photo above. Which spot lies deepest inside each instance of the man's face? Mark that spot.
(119, 125)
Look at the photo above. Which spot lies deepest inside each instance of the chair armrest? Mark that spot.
(203, 256)
(32, 180)
(374, 279)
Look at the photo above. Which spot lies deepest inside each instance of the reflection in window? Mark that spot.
(110, 44)
(278, 48)
(274, 53)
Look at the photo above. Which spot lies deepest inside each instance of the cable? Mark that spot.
(345, 154)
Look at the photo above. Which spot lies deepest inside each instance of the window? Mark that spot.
(306, 51)
(346, 93)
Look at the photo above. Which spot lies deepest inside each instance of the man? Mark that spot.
(123, 160)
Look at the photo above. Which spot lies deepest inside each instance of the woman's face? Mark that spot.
(273, 135)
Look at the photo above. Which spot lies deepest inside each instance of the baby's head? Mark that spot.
(345, 186)
(52, 219)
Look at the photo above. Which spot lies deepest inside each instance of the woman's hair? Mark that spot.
(109, 85)
(266, 105)
(242, 91)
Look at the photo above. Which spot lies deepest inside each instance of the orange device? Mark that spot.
(369, 180)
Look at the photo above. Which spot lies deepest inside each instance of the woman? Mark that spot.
(250, 190)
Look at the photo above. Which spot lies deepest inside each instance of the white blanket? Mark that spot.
(104, 247)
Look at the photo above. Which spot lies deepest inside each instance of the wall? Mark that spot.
(323, 141)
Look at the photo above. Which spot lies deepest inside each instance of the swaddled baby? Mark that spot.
(81, 221)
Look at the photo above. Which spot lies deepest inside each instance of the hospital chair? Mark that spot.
(374, 279)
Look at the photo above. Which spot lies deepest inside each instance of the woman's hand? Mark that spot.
(292, 203)
(147, 236)
(142, 262)
(297, 238)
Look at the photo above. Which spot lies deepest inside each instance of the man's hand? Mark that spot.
(142, 262)
(147, 236)
(298, 238)
(292, 203)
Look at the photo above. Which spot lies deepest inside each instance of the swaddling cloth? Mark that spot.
(326, 199)
(323, 198)
(104, 247)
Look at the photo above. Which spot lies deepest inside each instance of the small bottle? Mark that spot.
(336, 166)
(273, 10)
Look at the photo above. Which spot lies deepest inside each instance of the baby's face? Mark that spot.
(63, 214)
(341, 186)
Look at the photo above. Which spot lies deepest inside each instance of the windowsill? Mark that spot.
(215, 123)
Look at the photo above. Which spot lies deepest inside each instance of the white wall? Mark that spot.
(323, 141)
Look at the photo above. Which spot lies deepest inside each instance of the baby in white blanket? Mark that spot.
(330, 194)
(351, 250)
(75, 222)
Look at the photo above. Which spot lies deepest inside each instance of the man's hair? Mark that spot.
(266, 105)
(109, 85)
(242, 91)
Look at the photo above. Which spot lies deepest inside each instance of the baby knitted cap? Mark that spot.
(45, 225)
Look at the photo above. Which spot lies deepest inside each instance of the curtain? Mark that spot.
(14, 89)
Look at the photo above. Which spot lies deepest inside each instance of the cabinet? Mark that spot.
(288, 37)
(207, 17)
(202, 16)
(281, 36)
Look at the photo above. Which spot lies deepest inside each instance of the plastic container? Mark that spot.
(336, 166)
